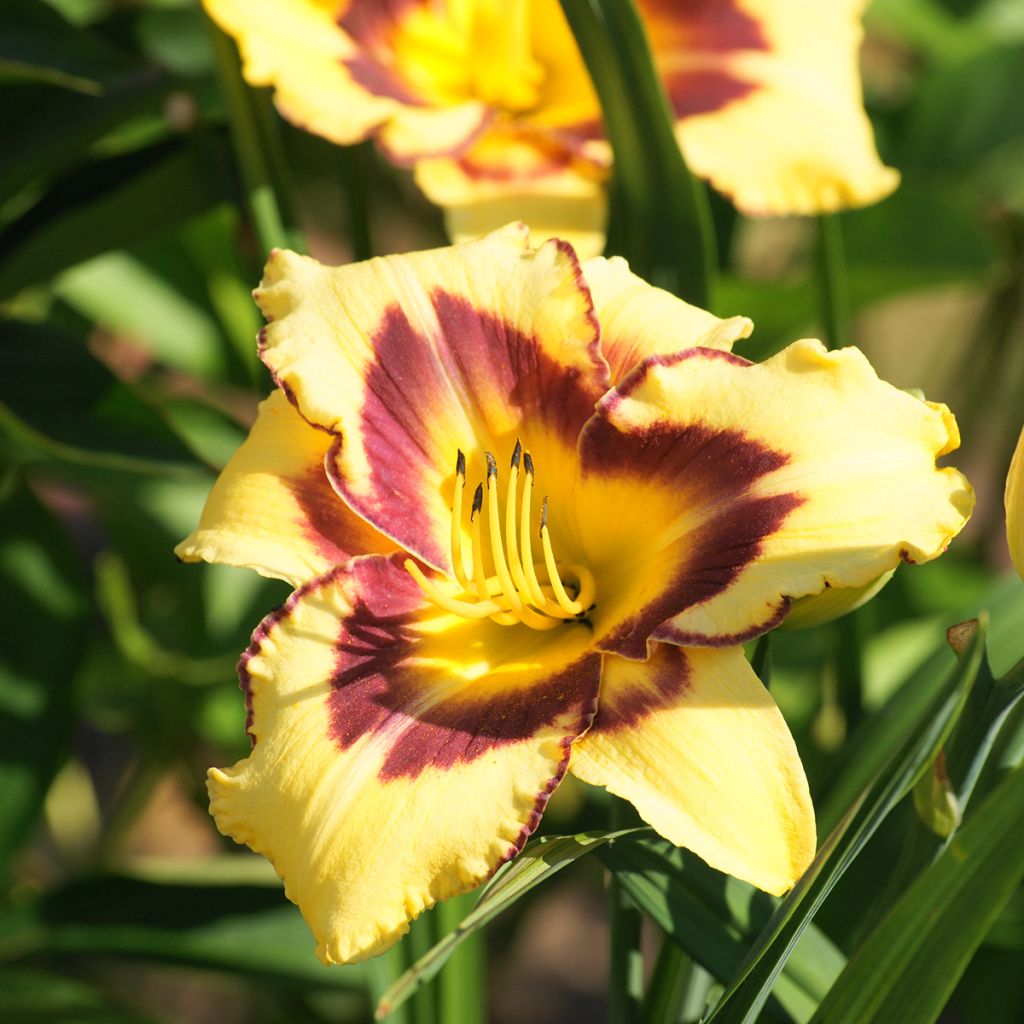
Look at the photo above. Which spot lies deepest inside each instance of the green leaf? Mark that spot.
(57, 400)
(112, 204)
(966, 111)
(714, 918)
(907, 969)
(45, 629)
(245, 927)
(659, 216)
(749, 990)
(50, 130)
(880, 735)
(35, 997)
(541, 859)
(38, 45)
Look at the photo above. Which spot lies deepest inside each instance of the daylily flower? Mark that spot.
(492, 103)
(532, 509)
(1014, 499)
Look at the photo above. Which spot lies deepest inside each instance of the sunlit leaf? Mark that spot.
(244, 927)
(46, 622)
(55, 398)
(541, 859)
(907, 969)
(715, 918)
(750, 988)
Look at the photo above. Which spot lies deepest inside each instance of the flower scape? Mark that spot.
(491, 103)
(532, 509)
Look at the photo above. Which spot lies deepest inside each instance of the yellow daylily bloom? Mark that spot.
(533, 507)
(1014, 499)
(493, 105)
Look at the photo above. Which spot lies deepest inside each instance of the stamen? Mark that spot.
(514, 593)
(571, 606)
(532, 583)
(497, 548)
(458, 565)
(467, 609)
(511, 544)
(479, 572)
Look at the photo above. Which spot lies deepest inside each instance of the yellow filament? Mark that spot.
(480, 574)
(585, 582)
(458, 565)
(506, 596)
(571, 606)
(467, 609)
(511, 544)
(532, 583)
(497, 548)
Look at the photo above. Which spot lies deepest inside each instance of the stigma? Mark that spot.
(502, 577)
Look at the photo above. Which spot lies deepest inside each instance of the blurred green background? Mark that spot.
(128, 376)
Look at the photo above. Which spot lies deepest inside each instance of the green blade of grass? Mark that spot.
(745, 997)
(908, 967)
(660, 219)
(541, 859)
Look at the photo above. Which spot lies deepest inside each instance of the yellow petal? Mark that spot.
(272, 508)
(399, 757)
(327, 82)
(1014, 499)
(567, 98)
(769, 101)
(832, 603)
(714, 490)
(299, 49)
(511, 174)
(638, 320)
(694, 741)
(415, 357)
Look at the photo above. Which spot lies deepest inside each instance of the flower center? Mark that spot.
(513, 593)
(481, 53)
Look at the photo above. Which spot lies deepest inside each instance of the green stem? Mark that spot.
(849, 671)
(421, 938)
(463, 980)
(257, 177)
(659, 216)
(355, 183)
(834, 291)
(381, 972)
(667, 990)
(625, 964)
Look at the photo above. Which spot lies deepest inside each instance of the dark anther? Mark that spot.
(528, 463)
(460, 465)
(543, 514)
(492, 466)
(478, 500)
(518, 451)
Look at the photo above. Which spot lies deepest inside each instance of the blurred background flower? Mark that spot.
(491, 103)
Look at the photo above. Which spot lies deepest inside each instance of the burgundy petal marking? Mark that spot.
(695, 27)
(665, 679)
(670, 635)
(556, 159)
(371, 26)
(263, 630)
(702, 26)
(482, 354)
(377, 686)
(326, 521)
(712, 468)
(703, 92)
(380, 80)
